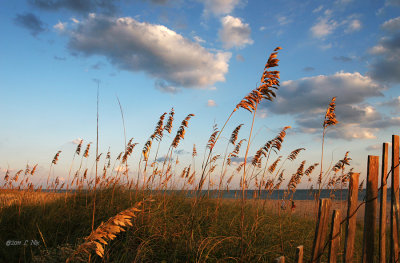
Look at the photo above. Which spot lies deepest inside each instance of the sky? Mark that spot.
(200, 57)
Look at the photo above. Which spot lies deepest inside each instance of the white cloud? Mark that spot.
(82, 7)
(377, 146)
(234, 33)
(392, 25)
(318, 9)
(211, 103)
(353, 131)
(219, 7)
(284, 20)
(393, 103)
(392, 3)
(326, 25)
(198, 39)
(378, 49)
(262, 28)
(76, 141)
(307, 99)
(326, 46)
(386, 64)
(323, 27)
(239, 58)
(350, 88)
(353, 25)
(343, 2)
(155, 49)
(60, 26)
(165, 87)
(262, 113)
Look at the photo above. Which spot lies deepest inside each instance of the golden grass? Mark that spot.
(263, 176)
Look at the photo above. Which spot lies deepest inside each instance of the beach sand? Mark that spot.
(309, 208)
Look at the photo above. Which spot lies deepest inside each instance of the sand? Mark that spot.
(309, 208)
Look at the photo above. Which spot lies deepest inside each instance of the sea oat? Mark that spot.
(55, 159)
(234, 134)
(86, 153)
(106, 232)
(168, 126)
(181, 131)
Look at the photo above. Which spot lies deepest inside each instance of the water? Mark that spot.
(300, 194)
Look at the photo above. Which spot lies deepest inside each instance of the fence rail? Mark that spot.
(328, 243)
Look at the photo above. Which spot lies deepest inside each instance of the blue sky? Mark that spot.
(200, 57)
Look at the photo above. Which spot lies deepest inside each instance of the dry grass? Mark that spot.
(175, 228)
(106, 232)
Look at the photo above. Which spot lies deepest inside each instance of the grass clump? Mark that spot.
(173, 228)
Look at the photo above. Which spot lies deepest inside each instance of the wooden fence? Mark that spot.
(328, 243)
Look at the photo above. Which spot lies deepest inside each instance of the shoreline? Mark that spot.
(309, 208)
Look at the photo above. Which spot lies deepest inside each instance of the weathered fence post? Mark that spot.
(299, 254)
(321, 229)
(351, 218)
(371, 208)
(382, 214)
(334, 236)
(281, 259)
(394, 208)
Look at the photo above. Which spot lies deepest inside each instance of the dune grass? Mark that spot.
(114, 217)
(172, 228)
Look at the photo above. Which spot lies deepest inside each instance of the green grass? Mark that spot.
(170, 229)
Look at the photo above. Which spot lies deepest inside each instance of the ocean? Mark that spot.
(300, 194)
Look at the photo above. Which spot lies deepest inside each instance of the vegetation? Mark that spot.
(168, 229)
(114, 217)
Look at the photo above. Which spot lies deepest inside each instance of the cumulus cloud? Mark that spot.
(386, 66)
(323, 27)
(343, 59)
(392, 25)
(375, 147)
(163, 86)
(284, 20)
(308, 69)
(326, 25)
(343, 2)
(80, 6)
(97, 66)
(181, 152)
(211, 103)
(239, 58)
(392, 2)
(234, 33)
(307, 99)
(239, 160)
(164, 158)
(31, 22)
(60, 58)
(76, 141)
(349, 87)
(60, 26)
(353, 25)
(198, 39)
(262, 113)
(219, 7)
(393, 103)
(318, 9)
(159, 2)
(155, 49)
